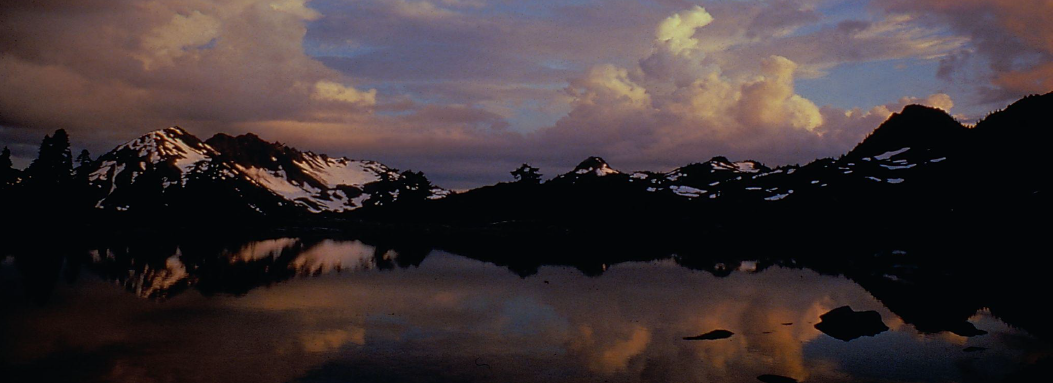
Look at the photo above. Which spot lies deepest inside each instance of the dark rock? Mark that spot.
(769, 378)
(712, 335)
(967, 329)
(974, 349)
(844, 324)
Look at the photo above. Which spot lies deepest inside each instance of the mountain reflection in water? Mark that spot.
(313, 310)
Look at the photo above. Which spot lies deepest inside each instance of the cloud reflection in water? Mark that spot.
(457, 319)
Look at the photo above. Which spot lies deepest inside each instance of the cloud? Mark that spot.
(613, 356)
(770, 101)
(183, 35)
(677, 107)
(464, 90)
(109, 71)
(328, 90)
(332, 340)
(677, 32)
(607, 84)
(660, 111)
(937, 100)
(850, 41)
(1015, 38)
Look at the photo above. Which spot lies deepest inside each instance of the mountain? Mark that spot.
(920, 172)
(594, 166)
(919, 169)
(918, 127)
(171, 168)
(695, 180)
(922, 152)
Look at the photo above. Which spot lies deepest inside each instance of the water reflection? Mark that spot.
(159, 272)
(300, 309)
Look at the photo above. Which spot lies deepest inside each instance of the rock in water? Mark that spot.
(844, 324)
(964, 328)
(712, 335)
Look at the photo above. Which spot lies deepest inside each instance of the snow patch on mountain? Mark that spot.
(334, 172)
(779, 196)
(598, 171)
(687, 191)
(890, 154)
(314, 181)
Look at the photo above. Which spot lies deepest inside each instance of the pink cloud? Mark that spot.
(1014, 37)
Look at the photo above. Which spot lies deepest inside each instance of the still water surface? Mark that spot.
(286, 310)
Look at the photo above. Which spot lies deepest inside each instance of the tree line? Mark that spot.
(54, 183)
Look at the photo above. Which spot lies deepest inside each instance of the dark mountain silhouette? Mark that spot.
(919, 168)
(920, 178)
(917, 127)
(1025, 122)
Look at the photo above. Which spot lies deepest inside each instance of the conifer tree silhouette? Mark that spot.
(53, 168)
(8, 174)
(83, 163)
(526, 173)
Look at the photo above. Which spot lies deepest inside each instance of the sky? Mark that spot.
(466, 90)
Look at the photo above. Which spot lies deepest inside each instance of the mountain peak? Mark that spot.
(171, 132)
(919, 109)
(175, 129)
(250, 150)
(591, 162)
(594, 165)
(917, 127)
(242, 139)
(163, 144)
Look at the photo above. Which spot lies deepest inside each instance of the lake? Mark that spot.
(342, 310)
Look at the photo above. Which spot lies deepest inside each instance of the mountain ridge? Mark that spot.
(918, 154)
(173, 159)
(919, 166)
